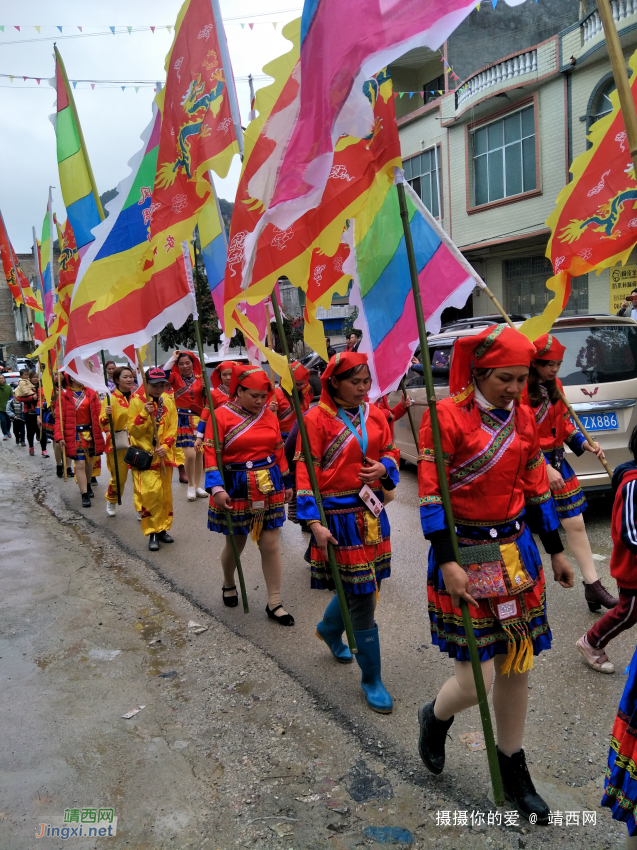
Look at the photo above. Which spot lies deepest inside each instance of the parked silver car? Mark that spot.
(599, 374)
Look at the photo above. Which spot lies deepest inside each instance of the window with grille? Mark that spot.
(504, 157)
(422, 172)
(526, 288)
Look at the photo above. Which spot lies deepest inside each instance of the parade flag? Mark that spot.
(342, 45)
(108, 308)
(382, 288)
(214, 250)
(69, 263)
(594, 224)
(45, 256)
(327, 277)
(17, 281)
(81, 198)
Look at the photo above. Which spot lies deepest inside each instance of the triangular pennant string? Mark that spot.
(37, 79)
(169, 27)
(275, 24)
(11, 78)
(123, 88)
(112, 29)
(152, 29)
(60, 28)
(74, 84)
(38, 28)
(2, 28)
(136, 89)
(251, 26)
(80, 29)
(243, 26)
(130, 29)
(93, 86)
(18, 29)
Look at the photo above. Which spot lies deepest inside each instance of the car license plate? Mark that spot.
(600, 421)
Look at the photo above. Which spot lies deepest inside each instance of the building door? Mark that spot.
(525, 282)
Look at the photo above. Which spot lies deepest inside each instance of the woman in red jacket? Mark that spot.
(543, 394)
(80, 432)
(393, 414)
(220, 379)
(355, 459)
(183, 371)
(257, 482)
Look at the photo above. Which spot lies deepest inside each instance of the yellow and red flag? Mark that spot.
(16, 279)
(594, 224)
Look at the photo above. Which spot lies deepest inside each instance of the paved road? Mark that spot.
(571, 707)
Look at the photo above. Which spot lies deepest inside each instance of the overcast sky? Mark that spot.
(111, 119)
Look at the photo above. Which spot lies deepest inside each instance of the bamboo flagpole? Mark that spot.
(496, 779)
(307, 452)
(111, 427)
(213, 421)
(62, 424)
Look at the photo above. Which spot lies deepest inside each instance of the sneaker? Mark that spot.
(31, 450)
(86, 500)
(6, 437)
(595, 658)
(201, 493)
(45, 454)
(192, 494)
(110, 508)
(139, 515)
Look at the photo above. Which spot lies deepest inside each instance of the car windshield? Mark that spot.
(598, 355)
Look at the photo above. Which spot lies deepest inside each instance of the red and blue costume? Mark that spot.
(254, 465)
(189, 397)
(498, 487)
(286, 412)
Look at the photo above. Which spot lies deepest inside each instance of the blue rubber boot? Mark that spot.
(368, 659)
(330, 630)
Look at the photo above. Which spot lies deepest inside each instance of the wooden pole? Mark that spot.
(217, 446)
(487, 727)
(618, 64)
(61, 423)
(112, 430)
(140, 366)
(307, 452)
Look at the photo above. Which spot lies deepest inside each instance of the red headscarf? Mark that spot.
(339, 363)
(299, 373)
(495, 347)
(548, 348)
(251, 377)
(176, 379)
(219, 368)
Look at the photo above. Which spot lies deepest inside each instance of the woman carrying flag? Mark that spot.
(499, 493)
(282, 404)
(355, 459)
(257, 482)
(80, 432)
(183, 371)
(124, 380)
(543, 393)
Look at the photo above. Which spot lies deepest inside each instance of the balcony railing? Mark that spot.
(516, 66)
(592, 25)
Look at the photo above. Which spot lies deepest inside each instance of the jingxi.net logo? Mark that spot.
(80, 823)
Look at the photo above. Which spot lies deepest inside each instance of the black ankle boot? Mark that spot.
(59, 470)
(90, 492)
(519, 788)
(431, 741)
(153, 543)
(86, 500)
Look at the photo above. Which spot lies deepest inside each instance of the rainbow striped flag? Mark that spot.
(45, 254)
(81, 199)
(382, 284)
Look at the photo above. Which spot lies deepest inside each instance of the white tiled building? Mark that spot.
(490, 158)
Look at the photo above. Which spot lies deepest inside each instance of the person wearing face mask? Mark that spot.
(543, 395)
(257, 482)
(152, 427)
(499, 492)
(124, 380)
(183, 371)
(355, 459)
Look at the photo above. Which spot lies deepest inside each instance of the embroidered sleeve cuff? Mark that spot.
(432, 515)
(201, 427)
(392, 473)
(213, 479)
(306, 505)
(576, 442)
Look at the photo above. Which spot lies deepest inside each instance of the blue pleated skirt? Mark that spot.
(621, 772)
(241, 512)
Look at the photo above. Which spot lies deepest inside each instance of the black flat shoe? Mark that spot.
(90, 492)
(153, 543)
(164, 537)
(86, 500)
(229, 601)
(284, 620)
(94, 480)
(69, 472)
(59, 471)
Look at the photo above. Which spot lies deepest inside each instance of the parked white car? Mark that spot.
(599, 374)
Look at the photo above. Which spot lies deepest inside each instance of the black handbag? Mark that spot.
(138, 458)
